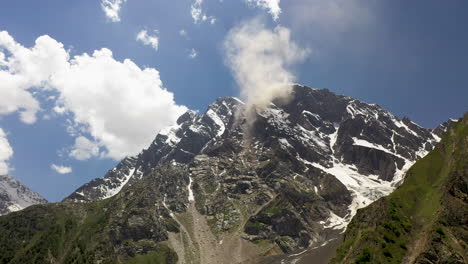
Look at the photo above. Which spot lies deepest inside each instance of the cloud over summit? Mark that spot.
(261, 60)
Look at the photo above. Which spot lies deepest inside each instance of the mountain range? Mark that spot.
(219, 187)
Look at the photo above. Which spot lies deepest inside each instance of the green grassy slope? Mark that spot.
(425, 219)
(98, 232)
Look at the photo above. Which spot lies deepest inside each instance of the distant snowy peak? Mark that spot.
(14, 196)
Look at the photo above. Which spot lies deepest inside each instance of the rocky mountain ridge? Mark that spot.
(195, 134)
(14, 196)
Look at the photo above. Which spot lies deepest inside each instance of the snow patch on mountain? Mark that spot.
(221, 128)
(364, 189)
(14, 196)
(191, 197)
(171, 134)
(111, 191)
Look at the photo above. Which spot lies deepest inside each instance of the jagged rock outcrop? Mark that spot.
(14, 196)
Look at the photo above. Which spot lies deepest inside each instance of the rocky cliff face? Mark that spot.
(425, 219)
(292, 180)
(14, 196)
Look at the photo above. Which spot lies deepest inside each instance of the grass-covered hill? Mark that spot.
(127, 228)
(426, 219)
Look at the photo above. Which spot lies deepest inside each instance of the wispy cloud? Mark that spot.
(147, 39)
(273, 6)
(193, 53)
(61, 169)
(198, 14)
(112, 8)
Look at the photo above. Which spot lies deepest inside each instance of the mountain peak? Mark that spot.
(14, 196)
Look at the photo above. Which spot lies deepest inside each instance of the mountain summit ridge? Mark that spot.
(167, 144)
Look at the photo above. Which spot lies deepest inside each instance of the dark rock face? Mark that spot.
(14, 196)
(297, 178)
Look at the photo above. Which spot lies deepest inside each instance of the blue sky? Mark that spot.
(410, 57)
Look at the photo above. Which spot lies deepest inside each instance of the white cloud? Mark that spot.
(118, 104)
(121, 105)
(273, 6)
(6, 152)
(198, 14)
(111, 9)
(84, 149)
(59, 109)
(61, 169)
(260, 60)
(196, 10)
(193, 53)
(148, 40)
(25, 69)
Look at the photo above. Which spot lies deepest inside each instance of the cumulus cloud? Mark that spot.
(6, 152)
(260, 60)
(112, 8)
(193, 53)
(198, 14)
(119, 105)
(147, 39)
(84, 149)
(273, 6)
(25, 69)
(61, 169)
